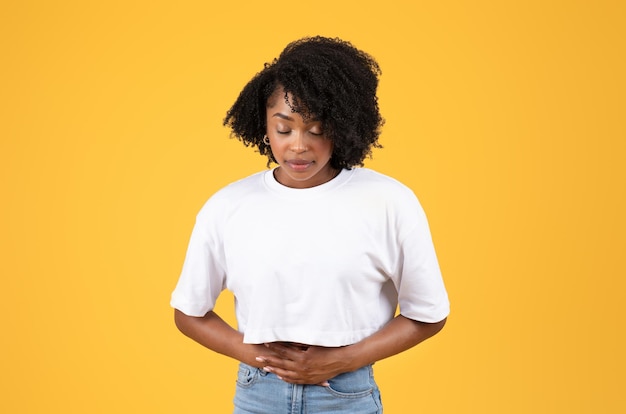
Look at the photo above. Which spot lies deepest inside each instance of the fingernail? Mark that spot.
(259, 359)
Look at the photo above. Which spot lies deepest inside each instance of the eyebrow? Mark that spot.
(288, 118)
(283, 116)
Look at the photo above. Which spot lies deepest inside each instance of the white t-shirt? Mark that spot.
(325, 265)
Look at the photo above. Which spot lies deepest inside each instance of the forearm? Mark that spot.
(317, 364)
(214, 333)
(399, 335)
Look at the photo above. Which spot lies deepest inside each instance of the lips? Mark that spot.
(299, 164)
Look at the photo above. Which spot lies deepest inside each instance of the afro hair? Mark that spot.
(329, 79)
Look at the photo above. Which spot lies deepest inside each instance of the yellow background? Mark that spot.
(506, 118)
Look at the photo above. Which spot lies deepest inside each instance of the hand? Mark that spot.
(312, 365)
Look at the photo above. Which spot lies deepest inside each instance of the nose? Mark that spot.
(299, 143)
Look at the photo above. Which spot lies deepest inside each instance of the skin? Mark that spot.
(316, 364)
(303, 153)
(299, 145)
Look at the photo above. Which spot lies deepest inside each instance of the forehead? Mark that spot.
(280, 97)
(285, 103)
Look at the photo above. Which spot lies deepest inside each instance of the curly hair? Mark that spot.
(328, 78)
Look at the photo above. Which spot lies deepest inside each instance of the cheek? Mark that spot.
(325, 147)
(331, 147)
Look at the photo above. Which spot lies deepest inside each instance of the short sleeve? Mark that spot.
(203, 276)
(422, 295)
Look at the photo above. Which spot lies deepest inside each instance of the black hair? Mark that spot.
(327, 78)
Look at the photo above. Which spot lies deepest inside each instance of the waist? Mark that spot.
(302, 347)
(295, 345)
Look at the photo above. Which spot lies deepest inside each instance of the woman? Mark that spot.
(317, 253)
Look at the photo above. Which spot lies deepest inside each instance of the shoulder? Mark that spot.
(397, 199)
(225, 198)
(380, 184)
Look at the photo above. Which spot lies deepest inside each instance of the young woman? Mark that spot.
(317, 251)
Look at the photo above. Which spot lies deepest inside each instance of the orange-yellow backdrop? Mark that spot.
(506, 118)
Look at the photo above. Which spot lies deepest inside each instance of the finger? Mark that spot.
(285, 351)
(269, 360)
(278, 363)
(293, 378)
(282, 374)
(272, 356)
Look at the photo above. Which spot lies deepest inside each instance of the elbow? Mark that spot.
(429, 329)
(180, 320)
(438, 326)
(188, 324)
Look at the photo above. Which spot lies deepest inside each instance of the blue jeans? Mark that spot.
(259, 392)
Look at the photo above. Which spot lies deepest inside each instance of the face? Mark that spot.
(299, 145)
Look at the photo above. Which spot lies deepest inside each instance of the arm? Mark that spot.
(212, 332)
(317, 364)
